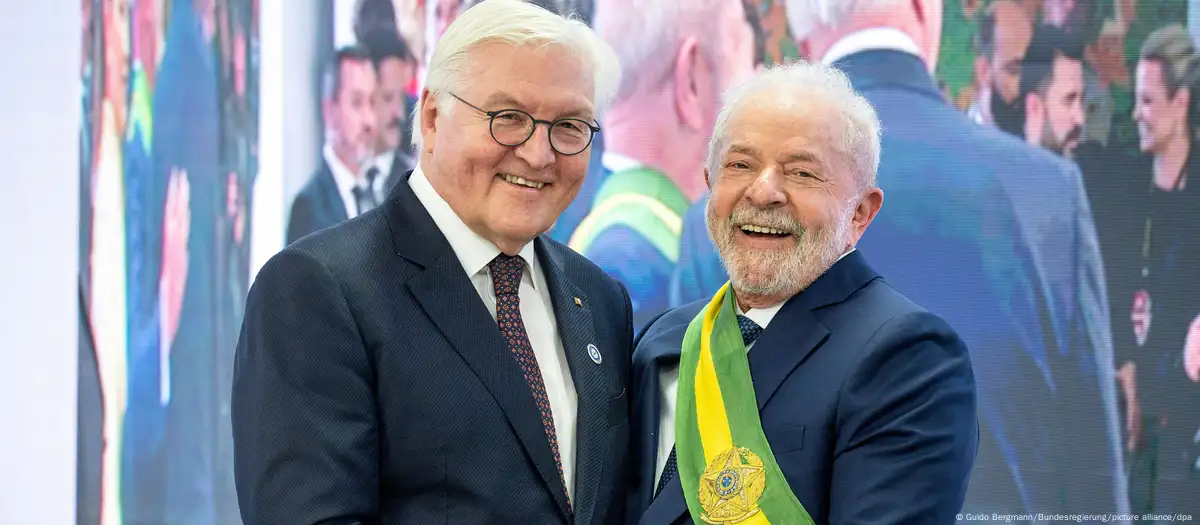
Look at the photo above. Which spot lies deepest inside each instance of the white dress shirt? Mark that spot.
(871, 39)
(668, 380)
(384, 163)
(475, 252)
(346, 181)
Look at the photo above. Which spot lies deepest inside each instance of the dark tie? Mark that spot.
(506, 278)
(750, 331)
(364, 196)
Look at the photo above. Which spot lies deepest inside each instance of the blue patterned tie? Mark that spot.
(750, 332)
(506, 273)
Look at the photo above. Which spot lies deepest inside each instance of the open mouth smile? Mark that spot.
(764, 232)
(521, 181)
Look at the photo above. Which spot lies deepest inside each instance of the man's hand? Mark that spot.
(176, 229)
(1191, 351)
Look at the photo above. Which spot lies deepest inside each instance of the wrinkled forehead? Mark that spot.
(546, 80)
(782, 128)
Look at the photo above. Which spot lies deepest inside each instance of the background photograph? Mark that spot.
(212, 137)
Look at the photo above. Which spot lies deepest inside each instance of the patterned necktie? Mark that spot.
(364, 196)
(506, 278)
(750, 332)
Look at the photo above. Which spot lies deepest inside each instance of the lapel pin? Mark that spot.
(594, 353)
(578, 302)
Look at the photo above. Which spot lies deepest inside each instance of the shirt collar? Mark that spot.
(385, 161)
(871, 39)
(345, 179)
(473, 252)
(761, 316)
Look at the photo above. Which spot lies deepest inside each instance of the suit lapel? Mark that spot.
(445, 293)
(796, 331)
(331, 198)
(577, 330)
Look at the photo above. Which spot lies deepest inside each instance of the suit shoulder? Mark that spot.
(872, 307)
(899, 313)
(683, 315)
(665, 332)
(309, 193)
(349, 243)
(312, 186)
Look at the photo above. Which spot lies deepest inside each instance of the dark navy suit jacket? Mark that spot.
(996, 237)
(371, 386)
(317, 206)
(867, 401)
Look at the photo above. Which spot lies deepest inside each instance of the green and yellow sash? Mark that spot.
(726, 467)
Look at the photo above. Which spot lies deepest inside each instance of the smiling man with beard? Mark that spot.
(1004, 33)
(807, 389)
(1051, 92)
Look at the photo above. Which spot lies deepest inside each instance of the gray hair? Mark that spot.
(518, 23)
(807, 16)
(644, 34)
(795, 87)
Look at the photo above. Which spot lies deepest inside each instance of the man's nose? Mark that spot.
(766, 189)
(537, 151)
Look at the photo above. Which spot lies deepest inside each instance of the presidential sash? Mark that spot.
(726, 467)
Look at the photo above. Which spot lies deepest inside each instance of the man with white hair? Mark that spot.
(997, 237)
(437, 359)
(807, 390)
(678, 58)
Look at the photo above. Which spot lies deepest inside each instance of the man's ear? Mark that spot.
(707, 179)
(1033, 104)
(686, 85)
(1034, 107)
(867, 208)
(429, 114)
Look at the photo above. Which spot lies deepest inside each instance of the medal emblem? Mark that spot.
(1140, 316)
(730, 487)
(594, 353)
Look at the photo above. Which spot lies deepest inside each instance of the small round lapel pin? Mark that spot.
(594, 353)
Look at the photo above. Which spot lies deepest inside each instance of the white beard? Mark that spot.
(778, 273)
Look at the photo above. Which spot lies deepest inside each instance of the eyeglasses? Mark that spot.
(513, 127)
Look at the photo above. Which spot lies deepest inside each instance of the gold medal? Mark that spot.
(731, 485)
